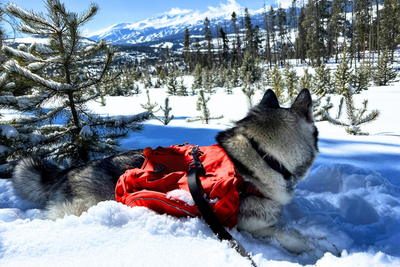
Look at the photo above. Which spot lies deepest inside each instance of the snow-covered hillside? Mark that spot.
(349, 204)
(171, 27)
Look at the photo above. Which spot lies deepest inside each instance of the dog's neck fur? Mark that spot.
(270, 160)
(252, 167)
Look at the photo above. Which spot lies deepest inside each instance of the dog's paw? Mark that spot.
(292, 241)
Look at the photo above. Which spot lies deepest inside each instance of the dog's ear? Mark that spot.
(270, 100)
(303, 105)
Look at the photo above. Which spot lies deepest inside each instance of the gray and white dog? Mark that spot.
(272, 147)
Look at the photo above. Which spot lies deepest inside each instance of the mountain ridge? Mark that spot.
(171, 27)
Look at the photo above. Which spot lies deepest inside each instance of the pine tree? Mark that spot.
(182, 88)
(306, 81)
(235, 75)
(83, 134)
(342, 75)
(208, 80)
(281, 20)
(359, 81)
(208, 38)
(166, 109)
(355, 117)
(186, 48)
(322, 81)
(272, 23)
(149, 106)
(301, 44)
(225, 46)
(147, 81)
(291, 79)
(385, 72)
(238, 42)
(202, 106)
(320, 113)
(198, 77)
(172, 85)
(249, 29)
(278, 84)
(250, 64)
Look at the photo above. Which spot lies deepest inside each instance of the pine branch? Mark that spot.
(368, 118)
(334, 121)
(12, 66)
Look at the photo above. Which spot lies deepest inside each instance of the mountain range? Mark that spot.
(171, 27)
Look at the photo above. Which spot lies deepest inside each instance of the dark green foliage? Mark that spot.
(385, 72)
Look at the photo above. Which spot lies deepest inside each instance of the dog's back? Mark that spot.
(74, 190)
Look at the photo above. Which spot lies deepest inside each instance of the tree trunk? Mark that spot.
(377, 27)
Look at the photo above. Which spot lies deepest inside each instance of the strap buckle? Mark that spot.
(196, 163)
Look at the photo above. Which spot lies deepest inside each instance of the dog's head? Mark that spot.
(287, 135)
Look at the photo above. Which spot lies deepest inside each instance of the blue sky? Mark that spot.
(114, 11)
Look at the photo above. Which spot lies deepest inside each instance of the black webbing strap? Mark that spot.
(209, 216)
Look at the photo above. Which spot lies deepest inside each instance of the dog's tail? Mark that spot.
(38, 180)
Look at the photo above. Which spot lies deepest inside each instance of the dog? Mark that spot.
(272, 147)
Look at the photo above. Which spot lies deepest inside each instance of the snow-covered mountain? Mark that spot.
(170, 26)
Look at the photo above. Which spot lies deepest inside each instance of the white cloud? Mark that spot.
(223, 8)
(284, 3)
(178, 11)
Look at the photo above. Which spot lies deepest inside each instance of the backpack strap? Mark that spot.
(208, 215)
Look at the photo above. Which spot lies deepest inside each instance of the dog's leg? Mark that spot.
(259, 217)
(291, 240)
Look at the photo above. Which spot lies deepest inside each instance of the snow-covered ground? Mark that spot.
(349, 204)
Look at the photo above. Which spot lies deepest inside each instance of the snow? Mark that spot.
(349, 203)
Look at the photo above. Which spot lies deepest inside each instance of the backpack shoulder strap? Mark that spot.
(208, 215)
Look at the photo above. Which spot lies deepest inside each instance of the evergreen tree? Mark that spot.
(355, 117)
(249, 29)
(198, 77)
(182, 88)
(272, 23)
(336, 23)
(202, 106)
(389, 25)
(267, 28)
(342, 75)
(208, 38)
(172, 85)
(359, 81)
(316, 34)
(306, 81)
(83, 135)
(322, 81)
(385, 72)
(250, 65)
(278, 84)
(166, 109)
(322, 113)
(147, 81)
(281, 21)
(301, 44)
(225, 46)
(237, 39)
(235, 75)
(149, 106)
(186, 48)
(208, 81)
(291, 79)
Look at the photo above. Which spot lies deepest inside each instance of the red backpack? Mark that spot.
(159, 183)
